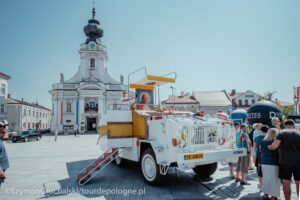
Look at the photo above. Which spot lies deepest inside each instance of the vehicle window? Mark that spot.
(25, 132)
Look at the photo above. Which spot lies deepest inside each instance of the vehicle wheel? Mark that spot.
(26, 139)
(14, 141)
(205, 171)
(38, 138)
(121, 162)
(150, 168)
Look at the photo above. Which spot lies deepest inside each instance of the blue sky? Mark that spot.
(212, 45)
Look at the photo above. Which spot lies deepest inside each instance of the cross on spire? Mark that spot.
(94, 11)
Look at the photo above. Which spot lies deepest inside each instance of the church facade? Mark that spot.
(79, 102)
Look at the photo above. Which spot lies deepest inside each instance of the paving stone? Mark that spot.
(53, 166)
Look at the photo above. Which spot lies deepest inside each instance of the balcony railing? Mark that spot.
(91, 109)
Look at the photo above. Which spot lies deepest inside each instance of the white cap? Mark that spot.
(5, 122)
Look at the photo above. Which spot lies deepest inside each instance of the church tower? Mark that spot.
(79, 102)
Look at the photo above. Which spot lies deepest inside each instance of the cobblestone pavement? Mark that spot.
(47, 170)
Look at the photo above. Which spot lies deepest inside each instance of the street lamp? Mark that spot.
(296, 104)
(173, 94)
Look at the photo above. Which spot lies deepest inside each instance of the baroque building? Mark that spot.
(79, 102)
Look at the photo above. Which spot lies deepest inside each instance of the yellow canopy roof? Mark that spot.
(151, 80)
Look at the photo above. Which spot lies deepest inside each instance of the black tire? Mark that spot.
(38, 138)
(121, 162)
(153, 176)
(205, 171)
(14, 141)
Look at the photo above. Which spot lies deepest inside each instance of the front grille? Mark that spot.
(199, 136)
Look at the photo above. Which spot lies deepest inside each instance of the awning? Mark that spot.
(150, 81)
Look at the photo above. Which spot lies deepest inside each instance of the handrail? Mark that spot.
(122, 105)
(100, 137)
(135, 72)
(171, 73)
(114, 151)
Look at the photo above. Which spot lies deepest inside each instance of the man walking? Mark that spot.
(288, 143)
(55, 135)
(4, 164)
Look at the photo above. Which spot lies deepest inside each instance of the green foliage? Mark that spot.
(286, 111)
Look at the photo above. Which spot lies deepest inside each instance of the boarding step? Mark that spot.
(96, 166)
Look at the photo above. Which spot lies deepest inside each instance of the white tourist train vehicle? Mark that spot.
(160, 139)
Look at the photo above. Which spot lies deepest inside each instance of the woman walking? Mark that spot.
(257, 148)
(269, 165)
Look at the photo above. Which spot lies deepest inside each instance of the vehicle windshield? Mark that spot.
(24, 132)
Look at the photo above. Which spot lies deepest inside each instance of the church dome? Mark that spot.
(92, 30)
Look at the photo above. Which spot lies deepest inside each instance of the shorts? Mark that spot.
(243, 164)
(258, 167)
(286, 172)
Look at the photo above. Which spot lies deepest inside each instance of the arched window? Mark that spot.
(92, 63)
(69, 107)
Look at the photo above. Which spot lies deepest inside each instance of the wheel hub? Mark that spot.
(118, 160)
(149, 167)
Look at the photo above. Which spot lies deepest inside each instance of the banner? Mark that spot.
(144, 99)
(298, 97)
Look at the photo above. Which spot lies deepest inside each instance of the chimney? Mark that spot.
(8, 95)
(188, 94)
(182, 93)
(233, 92)
(22, 100)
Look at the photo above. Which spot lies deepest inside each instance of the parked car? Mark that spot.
(44, 131)
(11, 133)
(25, 136)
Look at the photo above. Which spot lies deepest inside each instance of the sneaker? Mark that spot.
(245, 183)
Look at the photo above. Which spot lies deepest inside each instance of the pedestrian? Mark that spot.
(269, 166)
(55, 135)
(243, 141)
(257, 130)
(77, 133)
(288, 143)
(4, 164)
(252, 143)
(232, 145)
(257, 149)
(251, 163)
(251, 134)
(276, 123)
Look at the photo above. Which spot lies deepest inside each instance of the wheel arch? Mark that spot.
(143, 146)
(155, 146)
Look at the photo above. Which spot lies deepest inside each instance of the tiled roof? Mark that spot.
(212, 98)
(283, 103)
(237, 94)
(181, 100)
(15, 101)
